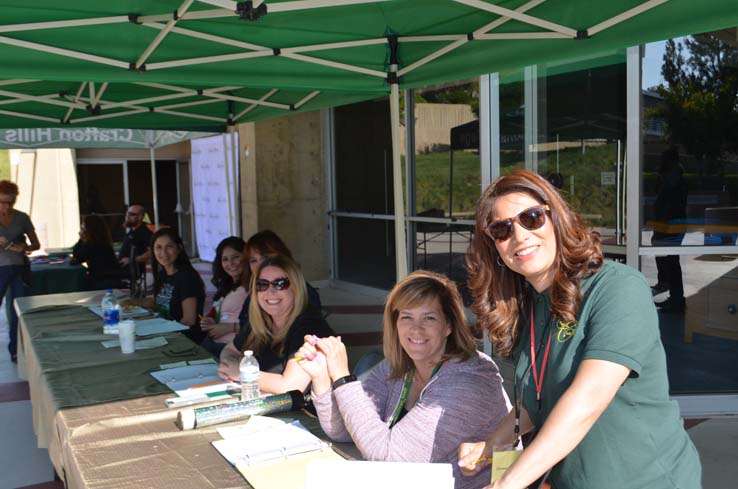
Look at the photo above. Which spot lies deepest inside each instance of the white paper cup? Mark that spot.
(127, 335)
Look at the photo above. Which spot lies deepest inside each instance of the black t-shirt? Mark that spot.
(309, 322)
(139, 239)
(100, 259)
(185, 283)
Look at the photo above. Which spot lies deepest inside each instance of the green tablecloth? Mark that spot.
(56, 278)
(79, 371)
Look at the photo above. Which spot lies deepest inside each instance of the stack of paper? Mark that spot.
(271, 454)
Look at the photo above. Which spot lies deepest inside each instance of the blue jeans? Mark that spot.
(11, 281)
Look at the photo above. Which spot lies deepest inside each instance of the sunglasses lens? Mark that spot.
(500, 230)
(532, 219)
(281, 283)
(262, 285)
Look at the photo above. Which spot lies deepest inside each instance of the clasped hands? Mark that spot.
(324, 359)
(6, 244)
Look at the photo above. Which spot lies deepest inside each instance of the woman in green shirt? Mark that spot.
(590, 369)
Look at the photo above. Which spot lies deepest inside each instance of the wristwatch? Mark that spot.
(344, 380)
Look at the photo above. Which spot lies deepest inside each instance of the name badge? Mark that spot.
(501, 461)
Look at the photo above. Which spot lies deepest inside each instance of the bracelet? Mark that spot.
(344, 380)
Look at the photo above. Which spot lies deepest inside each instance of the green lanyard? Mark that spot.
(406, 390)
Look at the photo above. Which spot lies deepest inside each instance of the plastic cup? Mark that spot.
(127, 336)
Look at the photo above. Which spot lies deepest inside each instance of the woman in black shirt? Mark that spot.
(95, 248)
(279, 318)
(179, 292)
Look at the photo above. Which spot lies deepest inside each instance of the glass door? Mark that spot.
(689, 207)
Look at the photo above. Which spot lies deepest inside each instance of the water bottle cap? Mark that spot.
(248, 353)
(109, 291)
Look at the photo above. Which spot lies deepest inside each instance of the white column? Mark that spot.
(154, 193)
(400, 241)
(633, 157)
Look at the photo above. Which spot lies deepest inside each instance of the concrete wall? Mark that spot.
(283, 186)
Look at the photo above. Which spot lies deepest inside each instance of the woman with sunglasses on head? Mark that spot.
(279, 318)
(433, 391)
(590, 369)
(179, 292)
(221, 322)
(15, 227)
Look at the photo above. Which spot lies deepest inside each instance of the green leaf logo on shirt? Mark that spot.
(565, 330)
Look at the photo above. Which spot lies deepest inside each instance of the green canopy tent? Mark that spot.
(204, 64)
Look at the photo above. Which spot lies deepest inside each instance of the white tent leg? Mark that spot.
(154, 193)
(400, 241)
(228, 183)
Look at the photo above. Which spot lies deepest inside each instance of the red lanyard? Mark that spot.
(538, 380)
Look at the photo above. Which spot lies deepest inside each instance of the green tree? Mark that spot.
(700, 98)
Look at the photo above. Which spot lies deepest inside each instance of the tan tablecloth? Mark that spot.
(124, 443)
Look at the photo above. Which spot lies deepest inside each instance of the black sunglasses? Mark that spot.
(531, 219)
(282, 283)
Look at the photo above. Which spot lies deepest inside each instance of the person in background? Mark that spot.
(95, 248)
(221, 323)
(137, 241)
(590, 368)
(179, 292)
(433, 390)
(279, 319)
(15, 227)
(260, 246)
(670, 210)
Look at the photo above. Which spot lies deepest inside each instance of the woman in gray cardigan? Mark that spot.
(432, 391)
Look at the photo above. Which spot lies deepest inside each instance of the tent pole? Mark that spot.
(400, 241)
(226, 163)
(154, 193)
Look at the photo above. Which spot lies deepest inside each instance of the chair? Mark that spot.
(367, 361)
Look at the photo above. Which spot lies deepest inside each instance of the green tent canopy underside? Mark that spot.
(196, 65)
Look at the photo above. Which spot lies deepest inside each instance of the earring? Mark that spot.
(500, 263)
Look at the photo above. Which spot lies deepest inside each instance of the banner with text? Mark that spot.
(92, 138)
(214, 191)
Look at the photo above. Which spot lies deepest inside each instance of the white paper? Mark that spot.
(181, 378)
(373, 475)
(277, 442)
(140, 344)
(148, 327)
(253, 425)
(125, 313)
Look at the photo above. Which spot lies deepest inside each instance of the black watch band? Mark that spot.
(344, 380)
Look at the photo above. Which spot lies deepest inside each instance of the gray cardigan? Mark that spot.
(463, 402)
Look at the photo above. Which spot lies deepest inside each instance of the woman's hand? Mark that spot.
(229, 371)
(311, 360)
(217, 330)
(17, 247)
(473, 457)
(335, 355)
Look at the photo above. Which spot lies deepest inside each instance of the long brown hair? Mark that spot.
(414, 290)
(499, 293)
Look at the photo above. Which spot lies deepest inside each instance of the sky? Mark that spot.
(651, 64)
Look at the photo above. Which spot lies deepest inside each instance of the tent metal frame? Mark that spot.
(96, 108)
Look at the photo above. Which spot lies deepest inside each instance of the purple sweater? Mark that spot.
(464, 401)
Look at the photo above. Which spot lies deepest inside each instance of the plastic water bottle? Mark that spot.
(111, 313)
(249, 374)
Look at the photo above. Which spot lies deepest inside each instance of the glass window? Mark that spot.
(447, 175)
(689, 95)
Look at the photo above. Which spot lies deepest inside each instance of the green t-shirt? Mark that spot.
(639, 441)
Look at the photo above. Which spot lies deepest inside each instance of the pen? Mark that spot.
(481, 460)
(313, 341)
